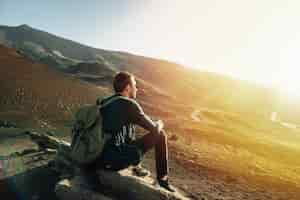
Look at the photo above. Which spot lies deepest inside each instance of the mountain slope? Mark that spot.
(191, 87)
(36, 91)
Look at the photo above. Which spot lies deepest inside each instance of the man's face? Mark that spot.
(132, 88)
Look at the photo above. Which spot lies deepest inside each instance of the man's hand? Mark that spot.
(160, 125)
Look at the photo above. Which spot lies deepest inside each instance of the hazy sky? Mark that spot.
(255, 39)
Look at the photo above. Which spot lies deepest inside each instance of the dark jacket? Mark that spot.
(120, 118)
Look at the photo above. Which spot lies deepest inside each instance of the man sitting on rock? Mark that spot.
(119, 120)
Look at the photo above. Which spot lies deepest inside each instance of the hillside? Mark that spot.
(38, 94)
(192, 87)
(35, 92)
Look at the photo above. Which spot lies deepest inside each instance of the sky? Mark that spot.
(256, 40)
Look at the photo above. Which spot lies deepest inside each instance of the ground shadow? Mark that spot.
(33, 184)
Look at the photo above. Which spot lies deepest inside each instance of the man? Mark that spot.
(119, 120)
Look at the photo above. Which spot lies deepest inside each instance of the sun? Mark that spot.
(289, 85)
(291, 92)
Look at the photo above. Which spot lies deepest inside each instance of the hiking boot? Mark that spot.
(140, 171)
(165, 184)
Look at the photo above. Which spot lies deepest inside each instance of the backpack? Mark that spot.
(88, 138)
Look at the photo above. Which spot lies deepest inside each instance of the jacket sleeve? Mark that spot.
(137, 116)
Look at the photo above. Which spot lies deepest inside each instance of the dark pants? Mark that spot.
(120, 157)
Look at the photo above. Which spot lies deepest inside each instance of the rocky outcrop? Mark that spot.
(121, 184)
(115, 185)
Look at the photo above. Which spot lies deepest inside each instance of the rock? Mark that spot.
(67, 189)
(120, 185)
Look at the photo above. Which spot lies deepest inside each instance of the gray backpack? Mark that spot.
(88, 138)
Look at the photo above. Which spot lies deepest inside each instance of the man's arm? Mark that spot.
(137, 116)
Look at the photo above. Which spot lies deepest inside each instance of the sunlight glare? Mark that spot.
(289, 85)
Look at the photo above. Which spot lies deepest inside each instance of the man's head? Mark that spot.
(125, 84)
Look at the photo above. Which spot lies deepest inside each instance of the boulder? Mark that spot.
(115, 185)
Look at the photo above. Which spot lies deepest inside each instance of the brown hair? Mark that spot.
(121, 80)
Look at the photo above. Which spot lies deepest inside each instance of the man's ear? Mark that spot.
(127, 88)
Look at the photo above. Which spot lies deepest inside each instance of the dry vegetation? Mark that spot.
(34, 91)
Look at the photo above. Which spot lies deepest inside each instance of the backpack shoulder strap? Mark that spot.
(112, 100)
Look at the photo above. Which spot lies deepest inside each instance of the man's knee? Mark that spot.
(163, 133)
